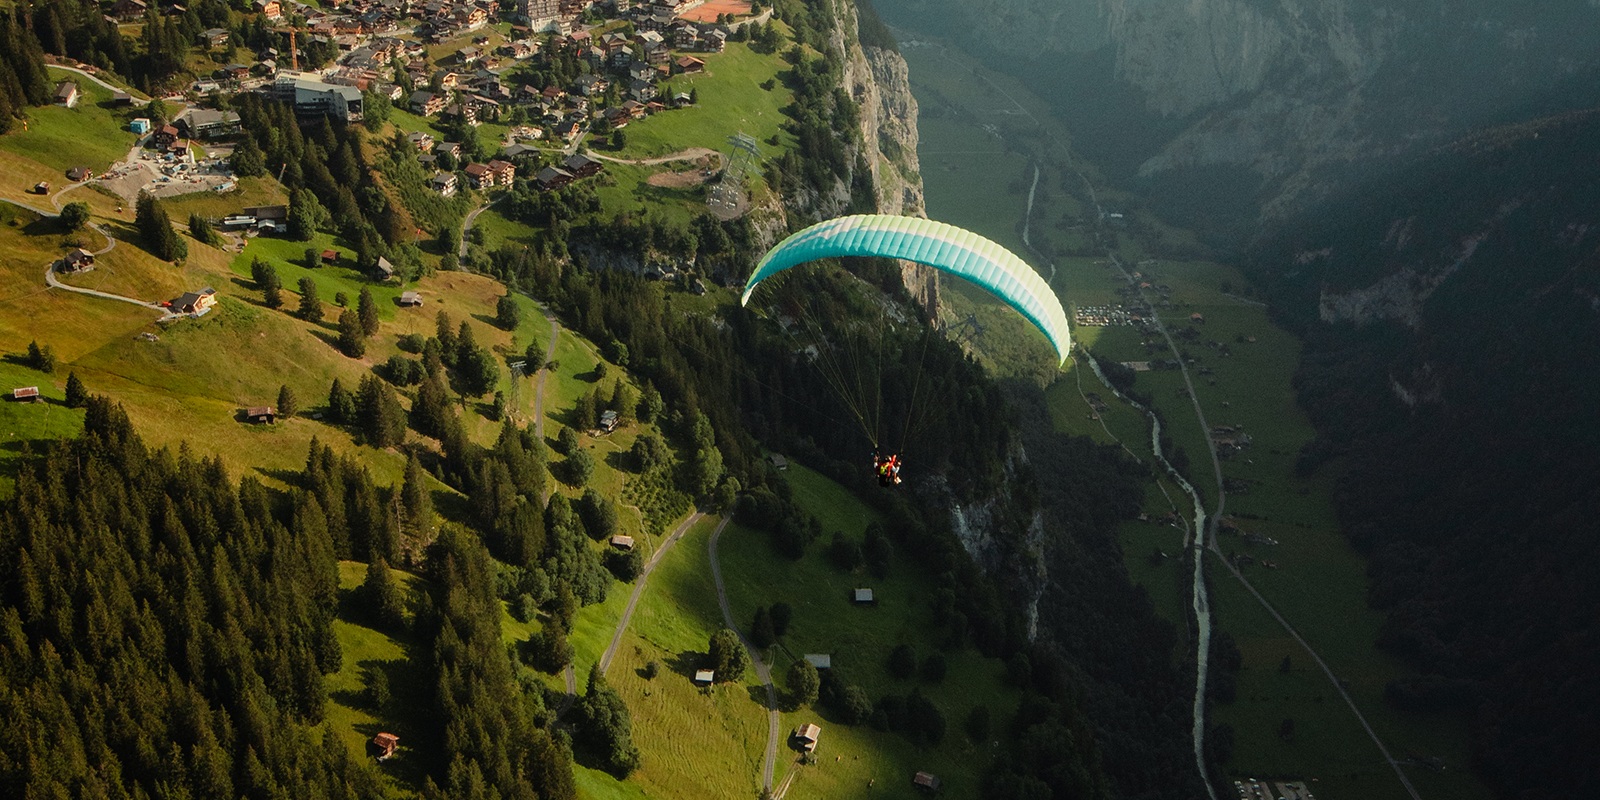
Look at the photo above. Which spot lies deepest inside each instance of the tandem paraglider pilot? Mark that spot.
(887, 468)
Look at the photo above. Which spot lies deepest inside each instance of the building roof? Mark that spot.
(705, 676)
(476, 170)
(261, 411)
(927, 779)
(863, 595)
(384, 266)
(66, 89)
(809, 731)
(24, 392)
(820, 660)
(386, 740)
(410, 298)
(778, 461)
(622, 541)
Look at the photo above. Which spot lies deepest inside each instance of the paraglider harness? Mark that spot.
(887, 468)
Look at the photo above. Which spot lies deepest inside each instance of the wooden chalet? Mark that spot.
(409, 299)
(42, 187)
(384, 744)
(926, 781)
(807, 735)
(261, 415)
(622, 541)
(581, 166)
(80, 174)
(552, 178)
(383, 270)
(67, 94)
(196, 303)
(26, 394)
(608, 421)
(78, 259)
(330, 256)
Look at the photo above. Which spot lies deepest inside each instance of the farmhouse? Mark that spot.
(384, 744)
(608, 421)
(80, 174)
(42, 187)
(807, 735)
(67, 94)
(78, 259)
(261, 415)
(330, 256)
(25, 394)
(196, 303)
(383, 270)
(552, 178)
(409, 299)
(622, 541)
(580, 165)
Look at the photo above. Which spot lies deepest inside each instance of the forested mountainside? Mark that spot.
(1451, 315)
(1223, 109)
(173, 624)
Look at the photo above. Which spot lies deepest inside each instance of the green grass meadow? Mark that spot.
(91, 134)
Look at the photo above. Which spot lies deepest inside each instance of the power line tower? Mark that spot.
(727, 196)
(518, 370)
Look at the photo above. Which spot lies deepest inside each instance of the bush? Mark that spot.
(844, 552)
(412, 342)
(762, 633)
(74, 215)
(627, 565)
(803, 683)
(781, 615)
(727, 656)
(903, 662)
(854, 706)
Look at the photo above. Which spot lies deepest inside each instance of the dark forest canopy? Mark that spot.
(1475, 500)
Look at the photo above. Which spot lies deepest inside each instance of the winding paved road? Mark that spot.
(762, 670)
(638, 585)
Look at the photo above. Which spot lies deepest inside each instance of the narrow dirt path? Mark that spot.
(763, 671)
(638, 585)
(682, 155)
(538, 382)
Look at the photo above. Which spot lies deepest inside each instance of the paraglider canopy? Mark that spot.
(936, 244)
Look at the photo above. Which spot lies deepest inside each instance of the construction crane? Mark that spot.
(294, 50)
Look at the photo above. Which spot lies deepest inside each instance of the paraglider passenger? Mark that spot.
(887, 468)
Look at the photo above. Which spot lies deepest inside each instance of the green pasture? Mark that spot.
(859, 639)
(31, 426)
(623, 189)
(731, 101)
(93, 134)
(255, 191)
(289, 259)
(366, 651)
(672, 626)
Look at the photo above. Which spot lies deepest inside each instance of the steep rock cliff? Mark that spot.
(1268, 105)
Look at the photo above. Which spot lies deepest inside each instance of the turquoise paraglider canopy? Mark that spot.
(944, 247)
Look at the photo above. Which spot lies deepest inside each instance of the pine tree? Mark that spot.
(367, 308)
(200, 229)
(417, 500)
(77, 395)
(379, 414)
(507, 314)
(381, 596)
(351, 340)
(341, 406)
(266, 279)
(41, 358)
(288, 406)
(155, 228)
(310, 303)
